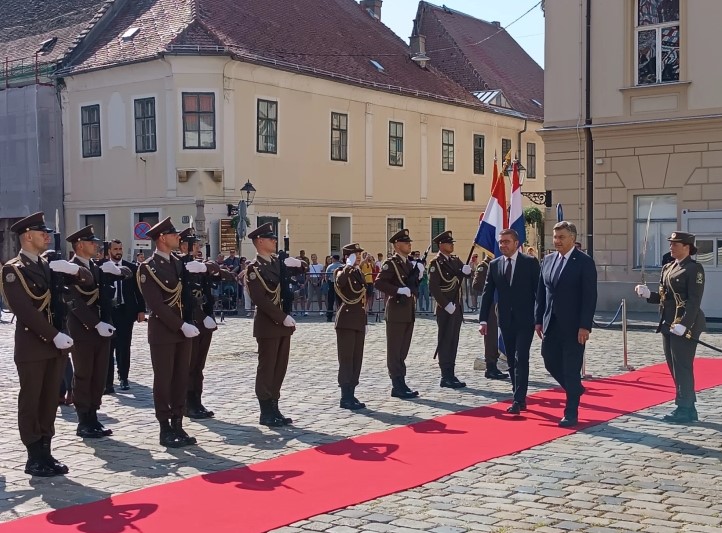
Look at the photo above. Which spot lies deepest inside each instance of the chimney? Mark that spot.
(497, 23)
(373, 7)
(417, 43)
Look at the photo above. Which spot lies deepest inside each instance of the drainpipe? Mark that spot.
(588, 133)
(518, 140)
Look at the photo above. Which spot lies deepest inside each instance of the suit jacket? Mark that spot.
(160, 283)
(264, 285)
(686, 281)
(445, 278)
(516, 301)
(573, 299)
(351, 289)
(132, 297)
(394, 274)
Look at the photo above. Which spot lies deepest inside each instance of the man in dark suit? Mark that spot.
(514, 276)
(565, 304)
(128, 308)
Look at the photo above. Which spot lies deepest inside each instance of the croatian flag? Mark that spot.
(516, 213)
(495, 217)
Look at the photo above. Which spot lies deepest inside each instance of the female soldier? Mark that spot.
(350, 324)
(681, 320)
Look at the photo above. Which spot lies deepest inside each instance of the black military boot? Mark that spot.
(492, 372)
(359, 405)
(268, 416)
(176, 424)
(347, 399)
(401, 390)
(59, 468)
(86, 430)
(206, 412)
(192, 408)
(95, 423)
(168, 437)
(36, 465)
(286, 421)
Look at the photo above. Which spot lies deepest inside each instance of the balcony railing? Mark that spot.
(25, 71)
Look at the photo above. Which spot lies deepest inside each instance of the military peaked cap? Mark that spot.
(444, 238)
(400, 236)
(83, 234)
(263, 232)
(163, 227)
(34, 222)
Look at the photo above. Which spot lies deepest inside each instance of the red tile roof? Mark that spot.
(329, 38)
(497, 63)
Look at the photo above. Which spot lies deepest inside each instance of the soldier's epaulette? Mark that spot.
(15, 261)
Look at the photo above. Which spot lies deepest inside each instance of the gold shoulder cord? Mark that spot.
(175, 294)
(276, 292)
(93, 295)
(43, 298)
(350, 301)
(450, 284)
(398, 274)
(679, 304)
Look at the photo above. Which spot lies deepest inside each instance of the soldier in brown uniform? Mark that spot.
(40, 349)
(446, 274)
(198, 304)
(681, 320)
(272, 327)
(89, 324)
(491, 342)
(395, 281)
(350, 325)
(169, 337)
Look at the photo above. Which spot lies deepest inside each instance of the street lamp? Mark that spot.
(249, 191)
(520, 168)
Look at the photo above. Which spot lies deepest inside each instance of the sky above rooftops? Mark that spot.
(528, 32)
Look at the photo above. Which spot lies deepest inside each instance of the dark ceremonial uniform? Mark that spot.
(159, 279)
(491, 340)
(274, 339)
(399, 314)
(26, 286)
(681, 287)
(445, 279)
(91, 351)
(350, 327)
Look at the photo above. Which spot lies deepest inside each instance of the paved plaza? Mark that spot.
(634, 473)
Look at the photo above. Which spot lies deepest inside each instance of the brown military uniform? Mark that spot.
(159, 279)
(91, 351)
(350, 324)
(445, 278)
(274, 339)
(491, 341)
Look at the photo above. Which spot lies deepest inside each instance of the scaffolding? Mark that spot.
(25, 71)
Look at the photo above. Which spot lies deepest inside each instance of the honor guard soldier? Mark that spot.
(491, 341)
(40, 349)
(198, 302)
(169, 336)
(446, 274)
(89, 323)
(681, 320)
(350, 324)
(272, 327)
(398, 280)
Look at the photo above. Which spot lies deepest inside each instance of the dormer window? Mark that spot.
(47, 45)
(130, 33)
(377, 65)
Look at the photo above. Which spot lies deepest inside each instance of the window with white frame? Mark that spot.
(199, 120)
(447, 150)
(90, 130)
(266, 126)
(396, 144)
(657, 41)
(339, 137)
(662, 212)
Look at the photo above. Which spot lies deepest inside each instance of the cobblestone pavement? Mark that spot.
(632, 474)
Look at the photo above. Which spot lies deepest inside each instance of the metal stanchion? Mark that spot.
(626, 365)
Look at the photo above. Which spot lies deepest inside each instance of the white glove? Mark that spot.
(62, 341)
(678, 329)
(104, 329)
(111, 268)
(189, 330)
(209, 323)
(421, 268)
(292, 262)
(351, 260)
(366, 331)
(289, 322)
(466, 270)
(450, 308)
(196, 267)
(642, 291)
(66, 267)
(403, 291)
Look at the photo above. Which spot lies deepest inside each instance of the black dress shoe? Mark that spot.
(38, 467)
(451, 383)
(168, 437)
(271, 421)
(404, 394)
(568, 422)
(516, 408)
(351, 404)
(286, 421)
(86, 431)
(682, 415)
(176, 424)
(124, 385)
(495, 373)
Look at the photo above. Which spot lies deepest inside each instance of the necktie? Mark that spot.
(507, 272)
(119, 291)
(557, 272)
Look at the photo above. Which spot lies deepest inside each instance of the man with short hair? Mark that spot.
(232, 262)
(514, 277)
(331, 280)
(128, 308)
(565, 303)
(315, 280)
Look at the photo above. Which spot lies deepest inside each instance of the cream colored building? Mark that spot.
(179, 133)
(656, 124)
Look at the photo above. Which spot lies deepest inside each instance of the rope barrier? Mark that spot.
(612, 323)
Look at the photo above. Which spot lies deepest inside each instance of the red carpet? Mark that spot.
(303, 484)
